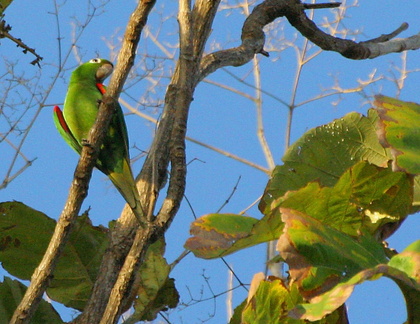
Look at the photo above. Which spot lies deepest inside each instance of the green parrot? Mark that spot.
(79, 114)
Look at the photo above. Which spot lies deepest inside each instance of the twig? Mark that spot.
(321, 5)
(4, 33)
(193, 140)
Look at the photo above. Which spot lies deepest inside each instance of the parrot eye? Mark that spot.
(95, 60)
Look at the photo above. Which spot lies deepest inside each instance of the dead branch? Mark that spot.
(4, 33)
(253, 38)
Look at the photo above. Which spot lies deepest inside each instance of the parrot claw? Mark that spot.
(85, 142)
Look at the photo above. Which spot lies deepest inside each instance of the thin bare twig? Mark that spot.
(4, 33)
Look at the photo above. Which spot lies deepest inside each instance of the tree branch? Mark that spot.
(168, 145)
(77, 193)
(4, 33)
(253, 37)
(125, 230)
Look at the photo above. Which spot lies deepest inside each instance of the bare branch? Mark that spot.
(4, 33)
(253, 38)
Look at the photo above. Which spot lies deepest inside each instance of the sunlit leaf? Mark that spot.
(319, 256)
(271, 301)
(399, 130)
(408, 261)
(329, 301)
(24, 237)
(216, 235)
(324, 153)
(11, 293)
(406, 273)
(365, 197)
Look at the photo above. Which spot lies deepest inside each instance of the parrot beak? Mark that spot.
(103, 72)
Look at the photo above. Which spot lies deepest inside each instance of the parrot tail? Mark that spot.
(124, 182)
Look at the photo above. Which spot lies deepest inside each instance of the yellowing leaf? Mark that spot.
(216, 235)
(320, 256)
(399, 129)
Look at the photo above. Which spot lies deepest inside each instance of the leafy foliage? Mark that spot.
(24, 238)
(324, 153)
(11, 292)
(331, 203)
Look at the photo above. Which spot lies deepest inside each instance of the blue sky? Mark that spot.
(218, 117)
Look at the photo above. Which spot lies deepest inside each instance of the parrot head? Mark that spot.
(96, 69)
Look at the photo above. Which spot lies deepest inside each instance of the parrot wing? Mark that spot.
(119, 118)
(64, 130)
(117, 165)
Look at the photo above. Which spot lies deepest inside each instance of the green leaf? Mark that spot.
(365, 197)
(217, 235)
(270, 301)
(326, 265)
(408, 261)
(324, 153)
(11, 293)
(406, 274)
(399, 130)
(319, 257)
(24, 237)
(3, 5)
(156, 291)
(331, 300)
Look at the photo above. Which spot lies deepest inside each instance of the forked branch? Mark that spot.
(253, 37)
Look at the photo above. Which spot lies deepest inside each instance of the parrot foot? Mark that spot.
(85, 142)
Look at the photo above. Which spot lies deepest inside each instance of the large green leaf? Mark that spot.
(324, 153)
(320, 256)
(24, 237)
(327, 264)
(365, 197)
(11, 293)
(399, 129)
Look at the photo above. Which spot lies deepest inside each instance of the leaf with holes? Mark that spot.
(324, 153)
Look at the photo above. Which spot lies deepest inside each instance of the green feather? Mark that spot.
(79, 114)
